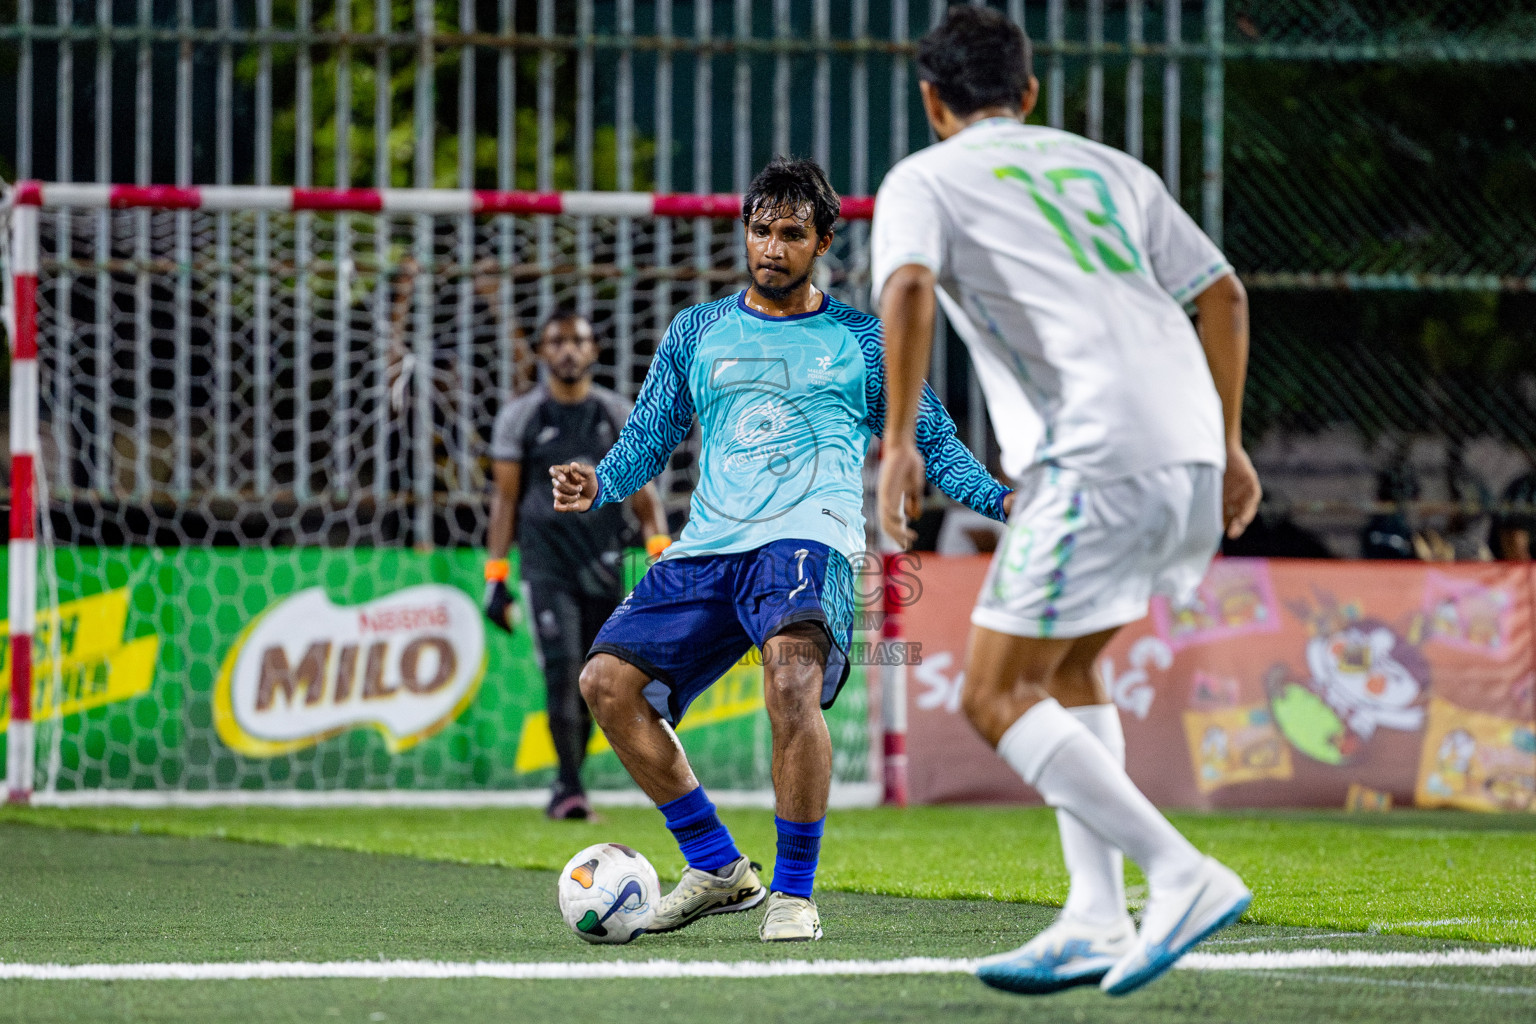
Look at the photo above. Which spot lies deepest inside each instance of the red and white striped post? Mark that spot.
(20, 754)
(893, 690)
(442, 201)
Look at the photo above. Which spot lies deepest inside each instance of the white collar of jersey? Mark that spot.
(1000, 119)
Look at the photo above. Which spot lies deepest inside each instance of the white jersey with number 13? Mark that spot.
(1064, 265)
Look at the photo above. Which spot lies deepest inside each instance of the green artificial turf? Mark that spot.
(1177, 999)
(1440, 874)
(73, 896)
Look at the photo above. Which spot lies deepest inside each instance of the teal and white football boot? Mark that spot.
(1173, 922)
(1070, 952)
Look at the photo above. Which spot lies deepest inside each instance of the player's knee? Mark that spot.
(599, 684)
(983, 699)
(794, 686)
(1074, 689)
(975, 701)
(791, 679)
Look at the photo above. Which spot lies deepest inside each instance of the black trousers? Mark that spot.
(566, 621)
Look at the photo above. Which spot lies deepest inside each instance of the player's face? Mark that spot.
(569, 349)
(782, 246)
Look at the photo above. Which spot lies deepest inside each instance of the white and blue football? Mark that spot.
(608, 893)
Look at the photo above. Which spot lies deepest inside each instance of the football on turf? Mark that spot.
(608, 893)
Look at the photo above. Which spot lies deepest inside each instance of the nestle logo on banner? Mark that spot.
(305, 669)
(390, 619)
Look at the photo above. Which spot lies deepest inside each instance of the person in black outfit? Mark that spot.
(1514, 525)
(571, 565)
(1389, 534)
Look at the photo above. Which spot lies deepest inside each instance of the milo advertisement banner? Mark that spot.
(1283, 683)
(405, 665)
(323, 669)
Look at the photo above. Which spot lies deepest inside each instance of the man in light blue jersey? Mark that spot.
(788, 386)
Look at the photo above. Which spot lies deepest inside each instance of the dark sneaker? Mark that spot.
(569, 807)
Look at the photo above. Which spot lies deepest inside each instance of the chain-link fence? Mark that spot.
(1369, 166)
(1380, 200)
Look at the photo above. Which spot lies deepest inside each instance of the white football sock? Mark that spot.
(1097, 868)
(1053, 752)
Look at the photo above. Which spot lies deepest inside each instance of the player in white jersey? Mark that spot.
(1065, 266)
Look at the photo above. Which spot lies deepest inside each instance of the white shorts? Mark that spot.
(1082, 557)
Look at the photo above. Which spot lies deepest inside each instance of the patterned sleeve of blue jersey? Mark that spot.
(660, 420)
(949, 463)
(952, 467)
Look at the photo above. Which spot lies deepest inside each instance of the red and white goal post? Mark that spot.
(282, 367)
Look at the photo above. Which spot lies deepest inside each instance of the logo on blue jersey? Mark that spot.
(764, 445)
(822, 372)
(762, 431)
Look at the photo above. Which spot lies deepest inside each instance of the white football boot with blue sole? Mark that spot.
(1173, 922)
(1070, 952)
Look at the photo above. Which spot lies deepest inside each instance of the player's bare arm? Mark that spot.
(646, 506)
(508, 480)
(1222, 320)
(906, 308)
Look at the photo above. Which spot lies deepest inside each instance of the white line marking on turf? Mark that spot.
(1311, 959)
(1311, 937)
(1356, 979)
(1307, 959)
(1379, 925)
(431, 969)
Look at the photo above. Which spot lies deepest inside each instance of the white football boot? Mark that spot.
(1070, 952)
(790, 919)
(701, 893)
(1176, 920)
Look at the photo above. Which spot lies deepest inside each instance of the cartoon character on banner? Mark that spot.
(1464, 615)
(1215, 751)
(1362, 676)
(1236, 598)
(1453, 764)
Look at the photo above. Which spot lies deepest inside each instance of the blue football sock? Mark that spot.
(794, 872)
(705, 843)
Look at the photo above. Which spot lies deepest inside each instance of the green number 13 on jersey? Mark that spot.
(1102, 221)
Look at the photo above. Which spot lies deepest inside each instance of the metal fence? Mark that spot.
(245, 365)
(619, 94)
(1369, 151)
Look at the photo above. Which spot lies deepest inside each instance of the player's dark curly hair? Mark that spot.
(975, 58)
(787, 185)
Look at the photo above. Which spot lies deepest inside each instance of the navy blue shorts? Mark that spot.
(690, 619)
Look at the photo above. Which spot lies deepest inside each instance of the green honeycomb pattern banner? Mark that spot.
(329, 669)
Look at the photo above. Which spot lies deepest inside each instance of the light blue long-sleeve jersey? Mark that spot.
(787, 407)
